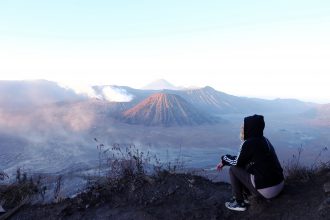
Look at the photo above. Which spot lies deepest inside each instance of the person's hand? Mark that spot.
(3, 175)
(220, 166)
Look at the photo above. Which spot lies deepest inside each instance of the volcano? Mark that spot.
(162, 109)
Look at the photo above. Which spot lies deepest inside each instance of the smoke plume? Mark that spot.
(112, 94)
(108, 93)
(82, 89)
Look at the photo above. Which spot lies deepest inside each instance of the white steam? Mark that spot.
(116, 94)
(108, 93)
(81, 89)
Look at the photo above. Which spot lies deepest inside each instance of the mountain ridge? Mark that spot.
(164, 109)
(36, 93)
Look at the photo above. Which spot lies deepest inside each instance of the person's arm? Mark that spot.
(229, 160)
(220, 166)
(243, 157)
(226, 160)
(245, 154)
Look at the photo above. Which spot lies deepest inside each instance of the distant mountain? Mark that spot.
(160, 84)
(320, 115)
(213, 101)
(29, 94)
(210, 100)
(164, 109)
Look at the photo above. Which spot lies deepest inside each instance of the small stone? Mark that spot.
(149, 180)
(325, 205)
(2, 210)
(192, 181)
(327, 201)
(327, 187)
(171, 191)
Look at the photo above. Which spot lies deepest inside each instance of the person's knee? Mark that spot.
(232, 170)
(237, 171)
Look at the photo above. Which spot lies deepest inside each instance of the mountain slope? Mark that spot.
(320, 115)
(183, 196)
(213, 101)
(163, 109)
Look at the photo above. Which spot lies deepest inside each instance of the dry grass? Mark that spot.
(23, 188)
(295, 171)
(127, 167)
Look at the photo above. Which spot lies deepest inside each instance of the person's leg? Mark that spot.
(240, 180)
(236, 185)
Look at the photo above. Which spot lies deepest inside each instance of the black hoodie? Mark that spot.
(257, 155)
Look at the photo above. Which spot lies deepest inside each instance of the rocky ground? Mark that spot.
(184, 196)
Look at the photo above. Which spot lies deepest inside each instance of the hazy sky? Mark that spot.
(252, 48)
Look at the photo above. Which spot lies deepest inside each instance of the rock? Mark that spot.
(327, 201)
(2, 209)
(325, 204)
(191, 181)
(324, 209)
(258, 205)
(212, 201)
(149, 180)
(171, 191)
(326, 187)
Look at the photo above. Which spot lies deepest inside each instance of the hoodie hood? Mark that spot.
(254, 126)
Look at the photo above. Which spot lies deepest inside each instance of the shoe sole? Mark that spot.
(235, 209)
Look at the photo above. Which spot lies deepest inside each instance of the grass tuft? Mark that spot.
(295, 171)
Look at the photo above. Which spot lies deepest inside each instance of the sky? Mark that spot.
(265, 49)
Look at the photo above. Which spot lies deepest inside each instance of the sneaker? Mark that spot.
(236, 206)
(246, 200)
